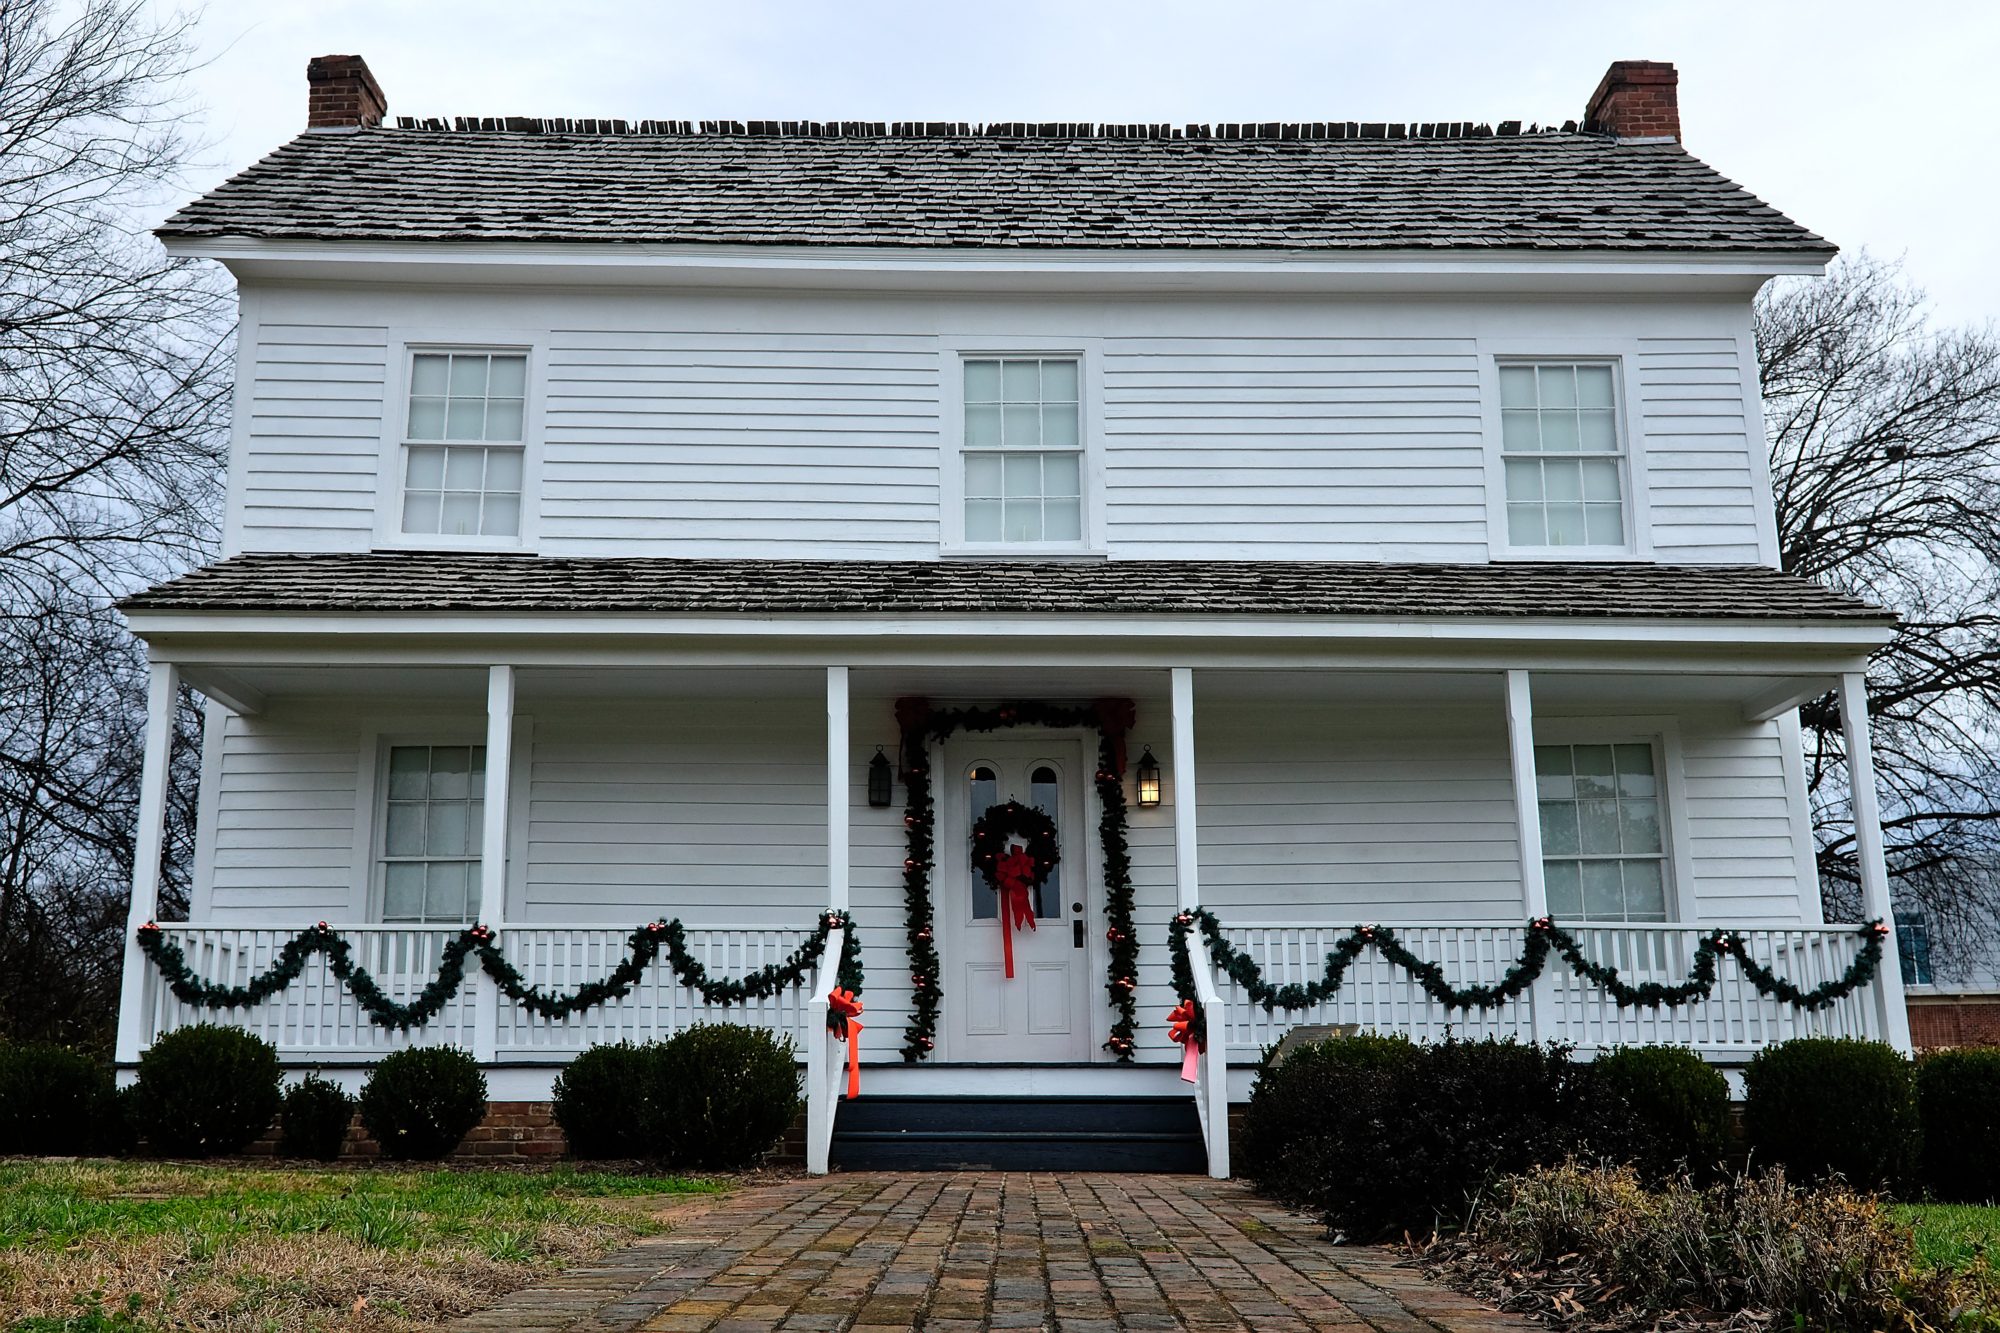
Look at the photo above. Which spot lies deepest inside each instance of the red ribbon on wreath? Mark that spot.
(1012, 877)
(1180, 1029)
(843, 1008)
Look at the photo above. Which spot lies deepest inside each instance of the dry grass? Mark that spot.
(87, 1246)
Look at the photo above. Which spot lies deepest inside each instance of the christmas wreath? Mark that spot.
(1015, 873)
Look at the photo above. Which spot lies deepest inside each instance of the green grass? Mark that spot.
(1953, 1235)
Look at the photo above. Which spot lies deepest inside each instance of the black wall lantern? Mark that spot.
(1148, 774)
(879, 779)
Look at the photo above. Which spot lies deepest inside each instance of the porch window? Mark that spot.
(1023, 451)
(433, 808)
(1561, 452)
(462, 444)
(1603, 853)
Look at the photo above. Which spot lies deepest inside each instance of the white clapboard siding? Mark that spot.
(1330, 448)
(709, 443)
(1746, 862)
(1342, 815)
(313, 437)
(712, 811)
(283, 826)
(1698, 437)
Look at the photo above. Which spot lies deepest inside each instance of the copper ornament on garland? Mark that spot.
(1015, 874)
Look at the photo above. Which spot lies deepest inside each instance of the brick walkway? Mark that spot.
(1080, 1253)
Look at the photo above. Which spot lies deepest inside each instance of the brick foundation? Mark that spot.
(511, 1132)
(1954, 1020)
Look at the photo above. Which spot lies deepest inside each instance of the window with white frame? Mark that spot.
(1562, 455)
(1604, 854)
(433, 808)
(463, 443)
(1023, 457)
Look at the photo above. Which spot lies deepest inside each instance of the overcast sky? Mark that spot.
(1872, 124)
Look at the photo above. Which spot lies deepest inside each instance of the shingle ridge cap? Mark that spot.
(1223, 131)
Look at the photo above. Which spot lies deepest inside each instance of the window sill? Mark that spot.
(412, 541)
(1593, 554)
(1023, 551)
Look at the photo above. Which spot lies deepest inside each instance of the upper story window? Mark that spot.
(1562, 454)
(1913, 948)
(1604, 856)
(1023, 451)
(463, 443)
(433, 808)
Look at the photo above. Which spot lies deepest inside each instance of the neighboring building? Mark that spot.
(1954, 999)
(605, 498)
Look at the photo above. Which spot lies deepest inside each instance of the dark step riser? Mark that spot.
(972, 1117)
(1181, 1159)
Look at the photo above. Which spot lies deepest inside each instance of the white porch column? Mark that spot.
(1187, 875)
(162, 695)
(1528, 829)
(837, 765)
(1868, 852)
(493, 845)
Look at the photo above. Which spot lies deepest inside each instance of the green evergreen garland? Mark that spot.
(921, 725)
(645, 943)
(1543, 937)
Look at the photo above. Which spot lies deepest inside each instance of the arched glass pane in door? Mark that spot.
(1045, 794)
(982, 792)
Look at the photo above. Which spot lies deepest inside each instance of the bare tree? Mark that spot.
(1885, 451)
(114, 364)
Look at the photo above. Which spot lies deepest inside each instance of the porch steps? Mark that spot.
(895, 1132)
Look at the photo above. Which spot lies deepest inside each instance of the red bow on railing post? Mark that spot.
(843, 1009)
(1180, 1028)
(1017, 908)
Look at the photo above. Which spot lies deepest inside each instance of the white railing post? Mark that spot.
(1868, 852)
(1528, 828)
(1211, 1093)
(823, 1058)
(493, 849)
(134, 1010)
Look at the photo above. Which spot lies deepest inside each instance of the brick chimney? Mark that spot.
(342, 94)
(1636, 99)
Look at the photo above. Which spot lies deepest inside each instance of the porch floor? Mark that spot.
(977, 1250)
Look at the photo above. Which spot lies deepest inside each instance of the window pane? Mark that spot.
(981, 792)
(1024, 476)
(1558, 432)
(1566, 525)
(1021, 381)
(982, 427)
(1552, 771)
(460, 515)
(1524, 480)
(500, 514)
(509, 378)
(1525, 526)
(1557, 385)
(1593, 769)
(466, 419)
(1593, 386)
(1059, 426)
(409, 772)
(1597, 827)
(1043, 793)
(1564, 882)
(1517, 386)
(428, 374)
(982, 521)
(503, 418)
(462, 468)
(1559, 833)
(468, 375)
(1635, 770)
(1603, 891)
(1061, 475)
(1519, 432)
(445, 893)
(1024, 521)
(420, 511)
(425, 470)
(446, 833)
(1645, 892)
(426, 419)
(1062, 521)
(404, 835)
(1562, 480)
(1639, 826)
(1604, 525)
(503, 469)
(1021, 427)
(449, 767)
(1599, 432)
(982, 476)
(1600, 479)
(982, 381)
(1059, 382)
(403, 891)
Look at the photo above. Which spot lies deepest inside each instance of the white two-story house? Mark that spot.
(1316, 525)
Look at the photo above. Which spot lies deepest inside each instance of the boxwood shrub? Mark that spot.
(1958, 1101)
(317, 1114)
(1833, 1106)
(607, 1101)
(1680, 1104)
(55, 1102)
(714, 1096)
(206, 1089)
(422, 1101)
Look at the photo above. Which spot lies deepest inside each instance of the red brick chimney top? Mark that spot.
(342, 94)
(1636, 99)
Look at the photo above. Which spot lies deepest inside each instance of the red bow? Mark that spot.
(1180, 1029)
(1012, 876)
(843, 1007)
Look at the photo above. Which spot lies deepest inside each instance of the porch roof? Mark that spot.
(429, 582)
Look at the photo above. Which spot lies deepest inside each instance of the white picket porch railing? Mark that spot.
(1379, 996)
(315, 1017)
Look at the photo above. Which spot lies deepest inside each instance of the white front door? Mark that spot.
(1041, 1015)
